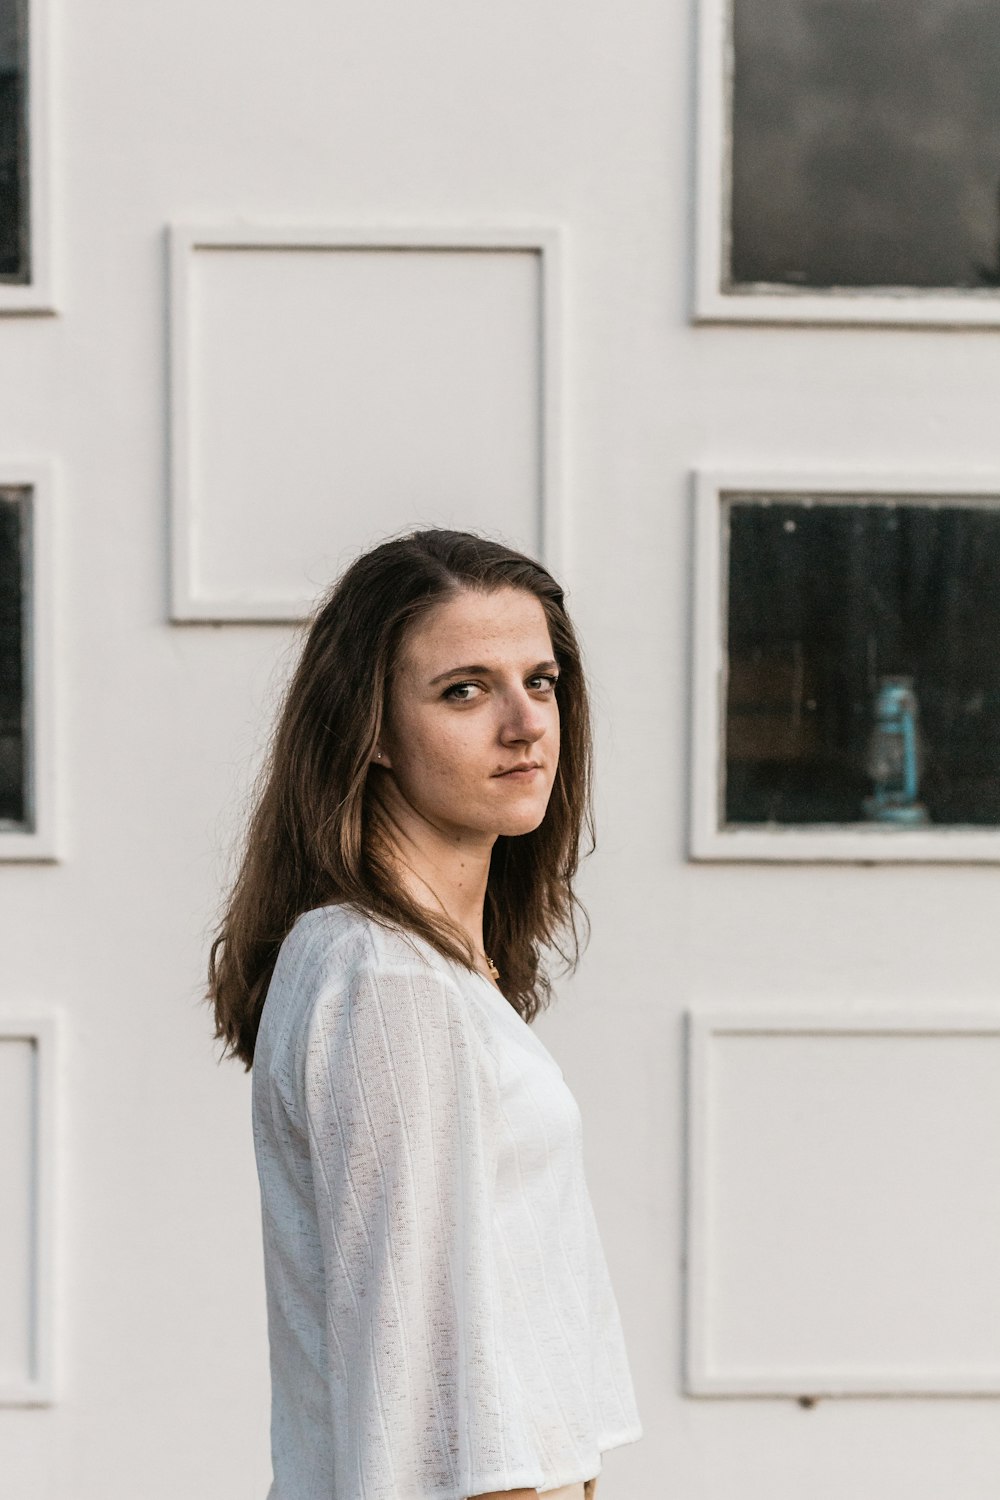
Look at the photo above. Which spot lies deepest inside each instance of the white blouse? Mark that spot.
(440, 1316)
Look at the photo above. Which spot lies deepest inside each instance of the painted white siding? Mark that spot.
(568, 118)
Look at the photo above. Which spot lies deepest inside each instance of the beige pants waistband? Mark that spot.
(578, 1491)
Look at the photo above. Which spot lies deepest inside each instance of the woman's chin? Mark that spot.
(523, 822)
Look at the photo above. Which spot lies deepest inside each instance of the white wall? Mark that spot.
(558, 114)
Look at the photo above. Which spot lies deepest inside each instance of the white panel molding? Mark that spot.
(187, 602)
(37, 294)
(856, 843)
(38, 1385)
(712, 303)
(703, 1376)
(42, 842)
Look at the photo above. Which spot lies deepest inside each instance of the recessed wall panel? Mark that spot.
(27, 1106)
(327, 395)
(18, 1167)
(845, 1201)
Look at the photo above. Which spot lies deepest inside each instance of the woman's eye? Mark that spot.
(456, 688)
(459, 691)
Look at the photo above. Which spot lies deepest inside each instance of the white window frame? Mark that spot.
(769, 303)
(41, 842)
(185, 240)
(851, 843)
(36, 295)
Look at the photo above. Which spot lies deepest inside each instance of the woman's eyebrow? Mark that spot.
(481, 671)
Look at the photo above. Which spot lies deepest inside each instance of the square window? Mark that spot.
(847, 671)
(848, 162)
(15, 263)
(865, 144)
(864, 662)
(15, 711)
(27, 780)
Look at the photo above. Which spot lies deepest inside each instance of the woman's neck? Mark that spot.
(442, 876)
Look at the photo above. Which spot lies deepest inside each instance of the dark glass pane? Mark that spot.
(864, 663)
(866, 143)
(13, 686)
(14, 263)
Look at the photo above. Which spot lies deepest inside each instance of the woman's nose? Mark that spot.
(526, 719)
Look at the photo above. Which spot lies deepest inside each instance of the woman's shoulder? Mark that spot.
(339, 970)
(332, 958)
(341, 940)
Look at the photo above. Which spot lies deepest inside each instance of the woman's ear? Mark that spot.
(379, 758)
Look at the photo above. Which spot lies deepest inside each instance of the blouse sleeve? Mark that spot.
(403, 1117)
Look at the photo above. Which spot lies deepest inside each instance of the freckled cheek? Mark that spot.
(444, 762)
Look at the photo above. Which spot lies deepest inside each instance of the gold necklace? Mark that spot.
(489, 962)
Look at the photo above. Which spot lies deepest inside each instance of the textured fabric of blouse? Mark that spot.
(440, 1316)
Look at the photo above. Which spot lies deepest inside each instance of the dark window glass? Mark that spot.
(863, 662)
(14, 262)
(866, 143)
(14, 800)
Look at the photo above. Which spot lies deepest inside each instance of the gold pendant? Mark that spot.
(492, 967)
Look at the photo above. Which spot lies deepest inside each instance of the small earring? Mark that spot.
(378, 755)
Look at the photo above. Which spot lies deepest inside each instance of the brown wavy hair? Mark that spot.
(313, 836)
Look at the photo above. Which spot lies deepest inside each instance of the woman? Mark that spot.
(440, 1317)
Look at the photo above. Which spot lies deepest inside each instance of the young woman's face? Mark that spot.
(474, 697)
